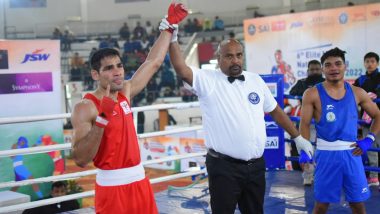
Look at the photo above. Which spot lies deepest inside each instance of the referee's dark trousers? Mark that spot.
(235, 182)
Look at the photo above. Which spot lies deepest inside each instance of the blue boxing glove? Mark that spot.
(366, 143)
(304, 158)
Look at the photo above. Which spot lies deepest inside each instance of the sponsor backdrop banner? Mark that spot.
(285, 44)
(30, 85)
(275, 145)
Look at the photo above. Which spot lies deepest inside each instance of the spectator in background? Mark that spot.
(188, 28)
(124, 32)
(76, 63)
(67, 39)
(167, 78)
(88, 81)
(148, 28)
(138, 32)
(168, 92)
(314, 76)
(103, 43)
(76, 60)
(197, 26)
(152, 37)
(370, 82)
(57, 33)
(58, 189)
(128, 46)
(218, 23)
(231, 35)
(109, 42)
(144, 44)
(93, 50)
(207, 26)
(152, 90)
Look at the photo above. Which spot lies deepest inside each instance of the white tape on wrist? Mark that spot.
(101, 122)
(372, 136)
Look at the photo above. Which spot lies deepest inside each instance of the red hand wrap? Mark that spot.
(105, 112)
(176, 13)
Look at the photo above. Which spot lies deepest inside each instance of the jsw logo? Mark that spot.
(36, 56)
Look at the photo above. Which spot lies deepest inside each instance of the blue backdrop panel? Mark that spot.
(275, 147)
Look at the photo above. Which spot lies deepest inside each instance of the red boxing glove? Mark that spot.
(105, 112)
(176, 13)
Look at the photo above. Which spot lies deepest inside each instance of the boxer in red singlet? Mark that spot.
(104, 131)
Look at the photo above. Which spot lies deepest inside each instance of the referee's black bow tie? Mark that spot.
(232, 79)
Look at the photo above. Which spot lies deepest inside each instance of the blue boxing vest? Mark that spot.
(339, 118)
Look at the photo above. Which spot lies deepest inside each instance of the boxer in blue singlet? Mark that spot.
(333, 105)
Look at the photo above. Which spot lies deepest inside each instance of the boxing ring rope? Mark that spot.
(23, 119)
(92, 172)
(67, 146)
(91, 193)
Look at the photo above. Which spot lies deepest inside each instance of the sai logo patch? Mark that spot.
(253, 98)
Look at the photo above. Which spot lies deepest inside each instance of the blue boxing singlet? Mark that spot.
(339, 118)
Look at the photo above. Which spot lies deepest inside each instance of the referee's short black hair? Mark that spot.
(100, 54)
(335, 52)
(372, 55)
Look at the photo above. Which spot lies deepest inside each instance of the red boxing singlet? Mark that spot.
(119, 149)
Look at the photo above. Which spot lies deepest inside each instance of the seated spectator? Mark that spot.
(58, 189)
(103, 43)
(93, 50)
(144, 44)
(109, 42)
(128, 46)
(197, 25)
(132, 61)
(168, 92)
(136, 45)
(148, 28)
(76, 63)
(88, 81)
(231, 35)
(218, 23)
(207, 25)
(141, 56)
(67, 39)
(152, 37)
(167, 78)
(76, 60)
(138, 32)
(152, 91)
(188, 28)
(124, 32)
(57, 33)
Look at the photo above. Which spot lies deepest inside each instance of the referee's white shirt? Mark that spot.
(233, 114)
